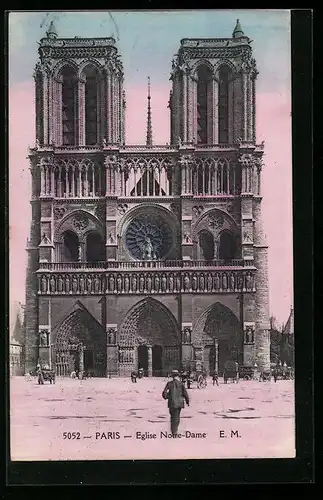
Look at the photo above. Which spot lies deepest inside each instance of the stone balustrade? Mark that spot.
(148, 282)
(148, 264)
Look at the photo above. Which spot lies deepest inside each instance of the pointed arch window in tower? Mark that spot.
(203, 83)
(224, 105)
(91, 106)
(69, 107)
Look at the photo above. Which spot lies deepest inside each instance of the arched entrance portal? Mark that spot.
(80, 345)
(219, 323)
(149, 338)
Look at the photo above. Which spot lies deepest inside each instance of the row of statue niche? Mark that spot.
(68, 284)
(148, 283)
(171, 282)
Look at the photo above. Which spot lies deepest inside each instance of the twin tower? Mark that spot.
(146, 256)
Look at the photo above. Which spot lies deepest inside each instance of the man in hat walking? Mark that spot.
(176, 394)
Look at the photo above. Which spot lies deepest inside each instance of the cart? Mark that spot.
(231, 372)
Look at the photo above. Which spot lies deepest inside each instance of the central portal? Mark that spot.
(152, 332)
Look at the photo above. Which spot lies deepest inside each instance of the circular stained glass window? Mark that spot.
(149, 237)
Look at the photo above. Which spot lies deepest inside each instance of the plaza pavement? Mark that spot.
(250, 419)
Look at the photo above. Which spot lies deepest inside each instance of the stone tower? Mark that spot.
(146, 256)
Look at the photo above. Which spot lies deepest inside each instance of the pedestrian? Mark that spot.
(134, 377)
(215, 378)
(176, 394)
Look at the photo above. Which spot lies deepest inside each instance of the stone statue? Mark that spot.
(248, 335)
(186, 283)
(52, 284)
(148, 249)
(111, 283)
(224, 282)
(164, 283)
(89, 284)
(171, 283)
(232, 282)
(157, 284)
(202, 282)
(82, 285)
(194, 282)
(187, 335)
(178, 283)
(134, 283)
(96, 284)
(119, 283)
(79, 253)
(43, 338)
(141, 283)
(126, 284)
(217, 282)
(74, 285)
(149, 283)
(44, 284)
(67, 284)
(209, 283)
(59, 284)
(248, 282)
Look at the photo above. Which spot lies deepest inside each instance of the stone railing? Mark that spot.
(151, 282)
(145, 264)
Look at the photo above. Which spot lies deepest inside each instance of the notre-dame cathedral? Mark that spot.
(146, 256)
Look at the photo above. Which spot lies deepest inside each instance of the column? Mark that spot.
(81, 111)
(80, 191)
(60, 182)
(45, 106)
(184, 79)
(81, 358)
(194, 109)
(253, 100)
(215, 110)
(245, 106)
(42, 181)
(52, 181)
(73, 181)
(135, 179)
(216, 354)
(93, 182)
(150, 360)
(67, 187)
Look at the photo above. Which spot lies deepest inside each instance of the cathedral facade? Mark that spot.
(147, 256)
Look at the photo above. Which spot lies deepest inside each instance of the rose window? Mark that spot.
(149, 237)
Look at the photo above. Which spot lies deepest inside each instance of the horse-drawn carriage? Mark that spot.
(246, 372)
(44, 375)
(283, 372)
(194, 376)
(231, 372)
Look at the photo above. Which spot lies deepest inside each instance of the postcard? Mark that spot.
(151, 260)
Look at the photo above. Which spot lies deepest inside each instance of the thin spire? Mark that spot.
(237, 32)
(149, 140)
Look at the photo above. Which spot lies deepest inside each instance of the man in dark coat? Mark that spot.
(176, 394)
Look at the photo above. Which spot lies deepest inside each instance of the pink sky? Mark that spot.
(273, 126)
